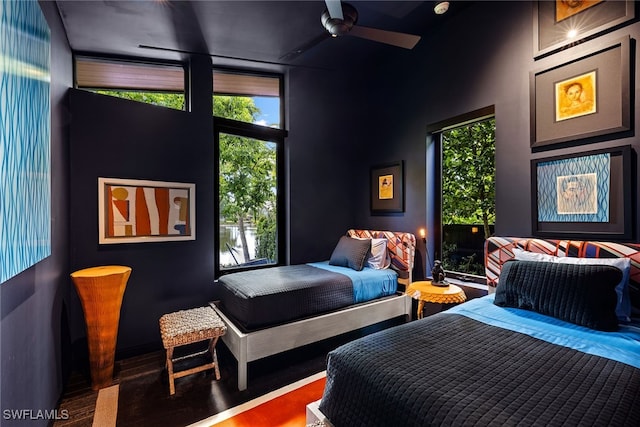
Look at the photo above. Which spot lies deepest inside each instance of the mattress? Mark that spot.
(257, 299)
(483, 365)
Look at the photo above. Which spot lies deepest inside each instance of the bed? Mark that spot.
(557, 343)
(271, 310)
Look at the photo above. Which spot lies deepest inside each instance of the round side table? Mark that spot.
(424, 291)
(100, 290)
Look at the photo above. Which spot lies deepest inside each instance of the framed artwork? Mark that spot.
(387, 188)
(586, 97)
(139, 211)
(25, 138)
(584, 196)
(559, 24)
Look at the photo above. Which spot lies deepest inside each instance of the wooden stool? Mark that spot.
(186, 327)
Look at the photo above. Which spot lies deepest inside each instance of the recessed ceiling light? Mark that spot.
(441, 7)
(572, 33)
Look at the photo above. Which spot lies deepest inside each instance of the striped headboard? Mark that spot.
(498, 250)
(401, 247)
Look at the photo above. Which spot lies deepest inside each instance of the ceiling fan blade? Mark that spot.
(335, 8)
(407, 41)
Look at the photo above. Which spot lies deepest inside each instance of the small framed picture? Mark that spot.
(387, 188)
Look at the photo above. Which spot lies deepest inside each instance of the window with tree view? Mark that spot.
(468, 195)
(250, 159)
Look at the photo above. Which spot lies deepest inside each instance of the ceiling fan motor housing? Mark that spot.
(336, 26)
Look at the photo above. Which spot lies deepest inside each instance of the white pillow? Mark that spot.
(623, 308)
(379, 257)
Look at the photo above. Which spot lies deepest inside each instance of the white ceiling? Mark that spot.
(264, 31)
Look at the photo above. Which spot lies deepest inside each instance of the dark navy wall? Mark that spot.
(116, 138)
(327, 135)
(33, 302)
(482, 57)
(340, 124)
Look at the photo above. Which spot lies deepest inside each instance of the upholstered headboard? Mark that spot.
(401, 247)
(498, 250)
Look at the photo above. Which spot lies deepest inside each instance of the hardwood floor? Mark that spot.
(144, 398)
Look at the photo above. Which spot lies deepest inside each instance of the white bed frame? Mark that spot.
(249, 346)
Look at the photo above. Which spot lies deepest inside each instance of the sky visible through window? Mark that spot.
(269, 111)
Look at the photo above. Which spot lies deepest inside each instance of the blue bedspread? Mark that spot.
(622, 346)
(368, 284)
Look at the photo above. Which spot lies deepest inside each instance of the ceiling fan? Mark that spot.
(340, 18)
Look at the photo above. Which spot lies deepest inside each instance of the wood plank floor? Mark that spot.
(144, 398)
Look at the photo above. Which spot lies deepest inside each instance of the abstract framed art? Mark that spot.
(587, 97)
(141, 211)
(583, 196)
(25, 135)
(387, 188)
(560, 24)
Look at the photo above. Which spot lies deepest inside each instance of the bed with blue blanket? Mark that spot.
(261, 298)
(557, 343)
(271, 310)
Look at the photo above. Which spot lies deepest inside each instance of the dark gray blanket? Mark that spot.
(449, 370)
(270, 296)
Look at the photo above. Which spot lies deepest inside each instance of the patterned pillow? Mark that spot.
(583, 294)
(350, 252)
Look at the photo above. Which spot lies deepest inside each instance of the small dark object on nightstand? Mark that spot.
(437, 272)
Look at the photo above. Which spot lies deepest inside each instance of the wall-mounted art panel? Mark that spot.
(583, 195)
(25, 200)
(559, 24)
(139, 211)
(585, 97)
(387, 188)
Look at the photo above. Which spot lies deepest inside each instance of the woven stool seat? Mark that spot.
(186, 327)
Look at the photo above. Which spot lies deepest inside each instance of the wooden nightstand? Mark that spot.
(424, 291)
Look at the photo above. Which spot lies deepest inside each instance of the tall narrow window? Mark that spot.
(467, 195)
(247, 122)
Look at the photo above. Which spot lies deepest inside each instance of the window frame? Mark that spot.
(280, 77)
(111, 61)
(263, 133)
(435, 131)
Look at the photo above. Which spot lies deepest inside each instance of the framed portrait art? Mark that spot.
(142, 211)
(387, 188)
(559, 24)
(585, 196)
(586, 97)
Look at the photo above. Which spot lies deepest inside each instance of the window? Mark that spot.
(467, 193)
(247, 122)
(157, 84)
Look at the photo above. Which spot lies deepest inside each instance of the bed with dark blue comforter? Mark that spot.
(546, 349)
